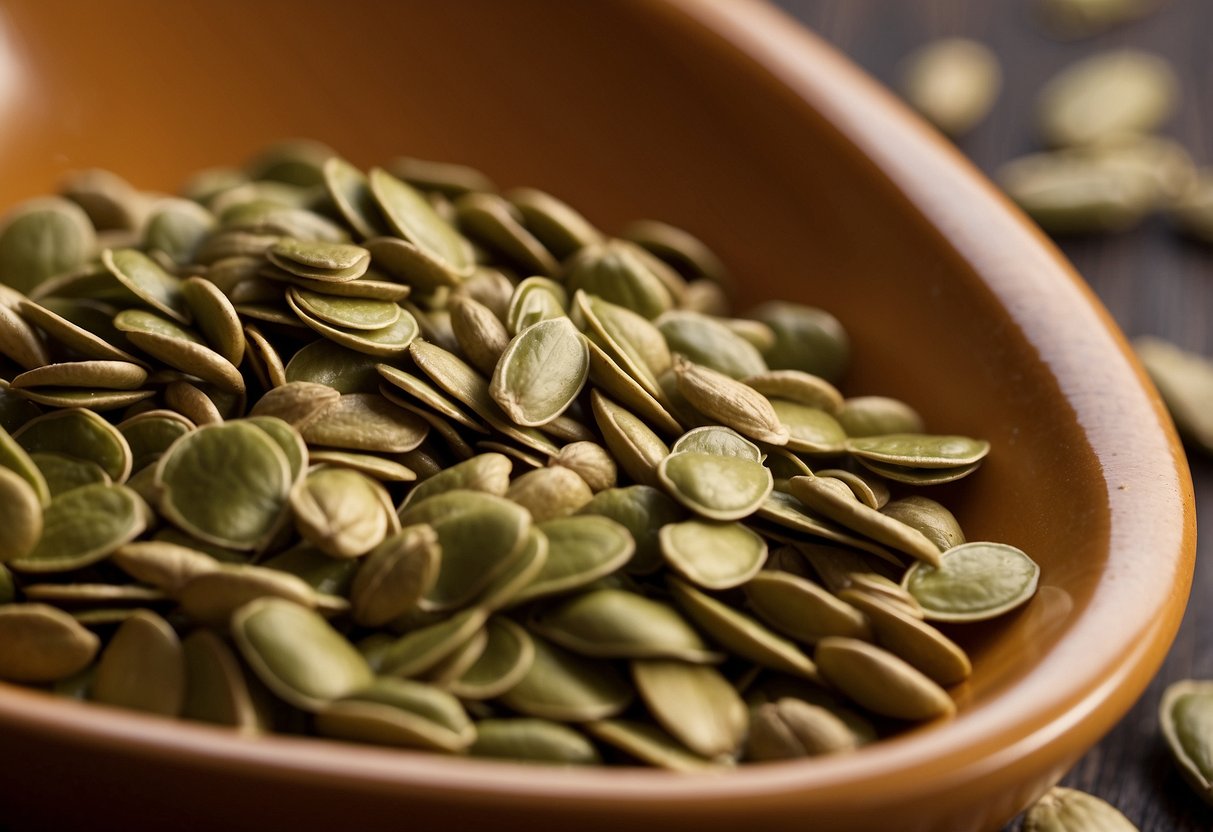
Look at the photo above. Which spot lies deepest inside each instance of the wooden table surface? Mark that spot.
(1152, 282)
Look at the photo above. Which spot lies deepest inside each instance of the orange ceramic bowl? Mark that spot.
(814, 185)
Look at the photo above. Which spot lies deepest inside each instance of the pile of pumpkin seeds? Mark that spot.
(399, 458)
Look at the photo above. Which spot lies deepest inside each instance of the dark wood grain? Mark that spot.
(1151, 281)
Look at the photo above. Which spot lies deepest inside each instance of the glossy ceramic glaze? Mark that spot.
(814, 185)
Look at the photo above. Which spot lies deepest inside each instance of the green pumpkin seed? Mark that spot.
(909, 638)
(613, 381)
(329, 364)
(20, 517)
(810, 430)
(215, 316)
(365, 422)
(643, 511)
(869, 490)
(879, 681)
(167, 566)
(350, 191)
(801, 609)
(15, 459)
(192, 403)
(489, 473)
(42, 644)
(148, 281)
(1186, 717)
(151, 433)
(696, 704)
(481, 335)
(710, 343)
(683, 251)
(80, 434)
(590, 461)
(480, 536)
(179, 350)
(541, 372)
(789, 513)
(929, 517)
(532, 741)
(340, 511)
(638, 449)
(615, 272)
(395, 575)
(560, 228)
(213, 596)
(581, 550)
(834, 500)
(730, 403)
(375, 467)
(384, 342)
(713, 555)
(297, 654)
(226, 484)
(919, 450)
(505, 587)
(345, 312)
(19, 341)
(798, 387)
(612, 623)
(628, 339)
(423, 648)
(718, 441)
(715, 487)
(973, 582)
(409, 214)
(142, 668)
(648, 744)
(444, 177)
(740, 634)
(43, 238)
(399, 712)
(953, 82)
(549, 493)
(790, 729)
(430, 396)
(216, 688)
(492, 221)
(64, 473)
(318, 260)
(506, 659)
(84, 526)
(72, 335)
(1185, 381)
(806, 339)
(1109, 94)
(565, 687)
(176, 228)
(1069, 810)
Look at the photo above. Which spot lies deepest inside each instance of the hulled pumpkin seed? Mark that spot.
(973, 582)
(42, 644)
(879, 681)
(565, 687)
(953, 82)
(83, 526)
(541, 372)
(1186, 716)
(142, 668)
(1069, 810)
(791, 728)
(532, 741)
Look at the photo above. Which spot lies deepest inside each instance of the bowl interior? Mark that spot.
(625, 115)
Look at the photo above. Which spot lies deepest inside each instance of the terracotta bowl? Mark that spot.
(814, 185)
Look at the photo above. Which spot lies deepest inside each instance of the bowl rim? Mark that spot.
(1058, 315)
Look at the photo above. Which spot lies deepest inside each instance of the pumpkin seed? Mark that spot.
(1069, 810)
(565, 687)
(532, 741)
(1186, 717)
(142, 668)
(297, 654)
(801, 609)
(1107, 95)
(879, 681)
(790, 729)
(973, 582)
(42, 644)
(648, 744)
(953, 82)
(713, 555)
(541, 372)
(83, 526)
